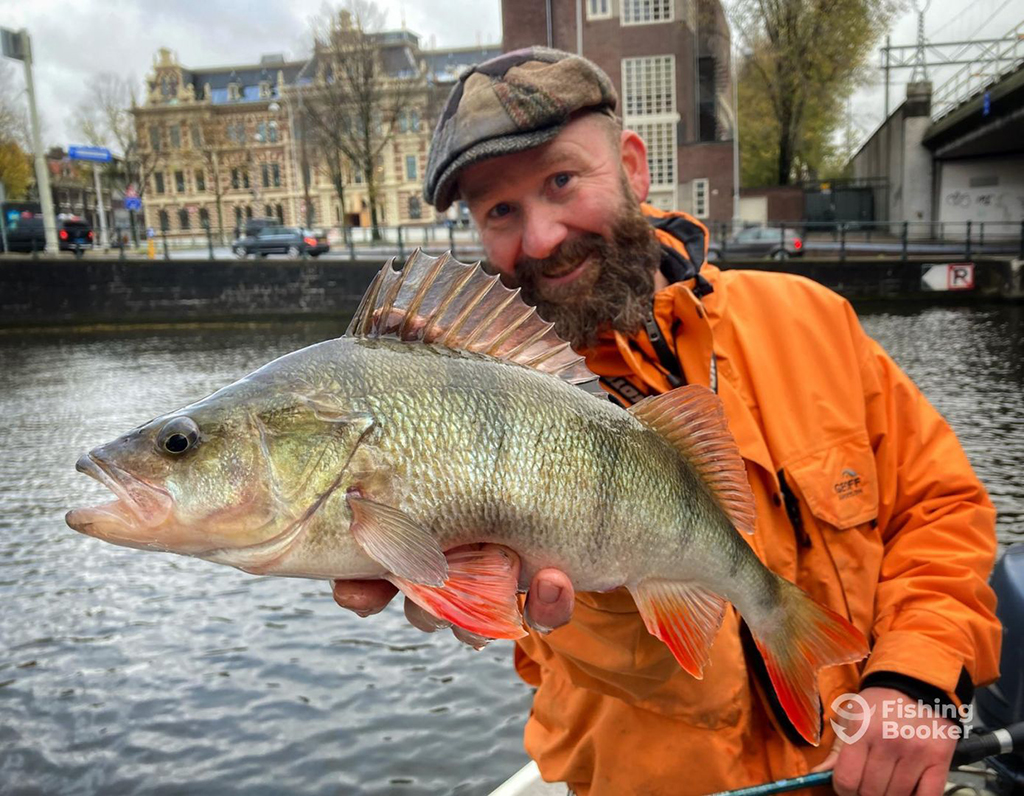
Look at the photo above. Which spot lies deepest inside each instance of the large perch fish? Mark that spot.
(448, 414)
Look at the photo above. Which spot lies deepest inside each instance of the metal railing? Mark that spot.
(875, 238)
(995, 61)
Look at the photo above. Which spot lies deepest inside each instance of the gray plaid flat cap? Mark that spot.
(513, 102)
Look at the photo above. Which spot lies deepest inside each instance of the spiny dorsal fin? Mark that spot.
(692, 418)
(442, 301)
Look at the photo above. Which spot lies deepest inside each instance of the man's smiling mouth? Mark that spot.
(564, 273)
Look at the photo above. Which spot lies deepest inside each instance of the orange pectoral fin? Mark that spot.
(479, 594)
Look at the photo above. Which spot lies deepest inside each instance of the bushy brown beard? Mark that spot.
(615, 292)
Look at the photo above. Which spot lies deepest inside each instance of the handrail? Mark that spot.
(1006, 54)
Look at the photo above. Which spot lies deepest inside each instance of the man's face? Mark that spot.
(562, 221)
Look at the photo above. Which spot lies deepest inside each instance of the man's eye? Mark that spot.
(561, 180)
(500, 209)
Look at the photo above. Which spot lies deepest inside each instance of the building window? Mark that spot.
(183, 219)
(660, 138)
(236, 132)
(700, 198)
(175, 132)
(261, 132)
(264, 89)
(200, 180)
(415, 208)
(272, 132)
(410, 167)
(234, 91)
(248, 212)
(265, 174)
(154, 138)
(267, 212)
(275, 175)
(197, 138)
(236, 178)
(280, 213)
(238, 216)
(599, 9)
(204, 218)
(179, 181)
(165, 221)
(644, 12)
(158, 182)
(707, 107)
(649, 85)
(245, 178)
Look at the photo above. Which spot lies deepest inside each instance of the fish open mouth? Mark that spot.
(133, 518)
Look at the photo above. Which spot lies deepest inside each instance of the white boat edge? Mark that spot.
(528, 782)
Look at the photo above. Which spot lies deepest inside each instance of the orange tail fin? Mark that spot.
(801, 638)
(479, 594)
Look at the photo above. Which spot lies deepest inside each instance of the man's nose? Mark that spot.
(544, 230)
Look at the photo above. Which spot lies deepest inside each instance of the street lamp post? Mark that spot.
(18, 45)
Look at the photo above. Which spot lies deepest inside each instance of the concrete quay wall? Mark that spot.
(93, 291)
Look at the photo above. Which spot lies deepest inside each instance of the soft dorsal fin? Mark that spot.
(692, 418)
(442, 301)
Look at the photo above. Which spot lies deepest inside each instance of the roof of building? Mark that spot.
(445, 66)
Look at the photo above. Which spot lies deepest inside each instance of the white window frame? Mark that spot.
(701, 198)
(627, 6)
(639, 66)
(594, 9)
(412, 160)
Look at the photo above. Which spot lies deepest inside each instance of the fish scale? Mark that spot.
(451, 414)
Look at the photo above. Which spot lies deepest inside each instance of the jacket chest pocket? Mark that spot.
(833, 505)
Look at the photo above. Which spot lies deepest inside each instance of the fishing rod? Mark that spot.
(971, 749)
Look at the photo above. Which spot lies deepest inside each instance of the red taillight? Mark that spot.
(63, 234)
(309, 241)
(798, 244)
(88, 235)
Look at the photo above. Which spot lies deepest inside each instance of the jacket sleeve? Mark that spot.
(934, 610)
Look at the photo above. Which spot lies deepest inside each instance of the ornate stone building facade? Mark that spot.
(224, 144)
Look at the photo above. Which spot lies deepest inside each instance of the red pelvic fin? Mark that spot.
(801, 638)
(683, 615)
(479, 594)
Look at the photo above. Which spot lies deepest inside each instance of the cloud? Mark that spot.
(75, 41)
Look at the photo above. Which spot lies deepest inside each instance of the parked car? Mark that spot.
(758, 242)
(293, 241)
(25, 233)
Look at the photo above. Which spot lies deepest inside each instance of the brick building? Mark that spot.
(669, 60)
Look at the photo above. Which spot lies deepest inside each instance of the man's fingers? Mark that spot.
(849, 769)
(364, 597)
(421, 619)
(932, 782)
(474, 640)
(550, 601)
(829, 762)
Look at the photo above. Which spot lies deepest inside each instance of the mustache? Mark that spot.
(569, 253)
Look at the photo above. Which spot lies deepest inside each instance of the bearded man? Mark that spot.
(902, 547)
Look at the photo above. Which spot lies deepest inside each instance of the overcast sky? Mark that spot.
(74, 40)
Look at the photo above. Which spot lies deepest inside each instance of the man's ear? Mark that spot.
(634, 164)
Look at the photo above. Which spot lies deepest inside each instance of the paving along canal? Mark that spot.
(123, 671)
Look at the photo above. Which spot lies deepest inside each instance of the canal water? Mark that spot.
(129, 672)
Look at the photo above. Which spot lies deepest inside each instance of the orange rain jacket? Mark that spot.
(890, 527)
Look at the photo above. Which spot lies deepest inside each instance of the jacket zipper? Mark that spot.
(793, 512)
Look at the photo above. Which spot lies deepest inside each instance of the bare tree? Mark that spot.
(355, 101)
(104, 118)
(208, 137)
(13, 116)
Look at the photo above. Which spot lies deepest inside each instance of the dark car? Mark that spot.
(293, 241)
(25, 233)
(758, 242)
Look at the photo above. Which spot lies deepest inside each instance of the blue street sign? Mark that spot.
(132, 203)
(97, 154)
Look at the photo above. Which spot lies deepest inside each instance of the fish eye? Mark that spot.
(179, 435)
